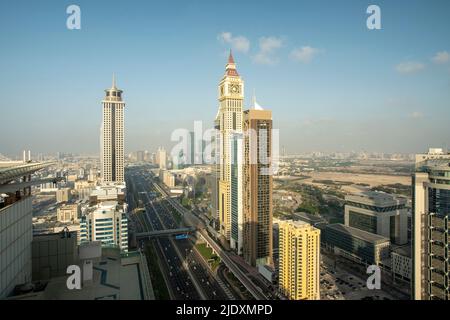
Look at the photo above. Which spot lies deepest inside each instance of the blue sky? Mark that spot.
(332, 84)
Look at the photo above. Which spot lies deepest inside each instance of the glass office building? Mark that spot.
(431, 226)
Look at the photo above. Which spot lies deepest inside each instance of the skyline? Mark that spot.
(378, 100)
(243, 152)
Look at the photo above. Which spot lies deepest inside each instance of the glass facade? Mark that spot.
(438, 228)
(431, 227)
(362, 221)
(344, 238)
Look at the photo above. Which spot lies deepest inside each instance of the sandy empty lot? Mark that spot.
(370, 179)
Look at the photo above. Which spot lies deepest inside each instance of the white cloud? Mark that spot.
(441, 57)
(267, 48)
(238, 43)
(304, 54)
(409, 67)
(416, 115)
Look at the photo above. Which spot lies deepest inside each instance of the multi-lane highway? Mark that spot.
(226, 257)
(185, 271)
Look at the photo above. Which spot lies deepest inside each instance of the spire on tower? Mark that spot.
(114, 81)
(230, 58)
(231, 66)
(255, 105)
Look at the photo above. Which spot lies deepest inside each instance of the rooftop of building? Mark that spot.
(116, 276)
(106, 206)
(15, 184)
(297, 224)
(110, 187)
(105, 192)
(309, 218)
(11, 170)
(435, 157)
(376, 198)
(402, 250)
(357, 233)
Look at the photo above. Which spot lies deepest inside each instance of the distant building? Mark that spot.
(48, 187)
(167, 177)
(68, 213)
(72, 178)
(431, 226)
(215, 171)
(140, 156)
(299, 261)
(112, 136)
(379, 213)
(106, 222)
(62, 195)
(354, 244)
(92, 175)
(83, 188)
(161, 158)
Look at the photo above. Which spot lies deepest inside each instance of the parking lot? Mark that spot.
(341, 285)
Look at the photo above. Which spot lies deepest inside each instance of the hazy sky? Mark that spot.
(332, 84)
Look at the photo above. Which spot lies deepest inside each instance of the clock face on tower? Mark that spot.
(235, 88)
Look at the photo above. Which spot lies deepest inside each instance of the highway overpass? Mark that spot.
(162, 233)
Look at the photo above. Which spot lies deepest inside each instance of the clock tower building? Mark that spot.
(229, 120)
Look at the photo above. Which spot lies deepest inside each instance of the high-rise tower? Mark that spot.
(257, 186)
(229, 118)
(431, 226)
(112, 136)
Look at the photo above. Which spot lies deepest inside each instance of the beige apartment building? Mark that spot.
(167, 177)
(62, 195)
(299, 261)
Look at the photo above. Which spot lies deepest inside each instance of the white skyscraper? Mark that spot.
(112, 136)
